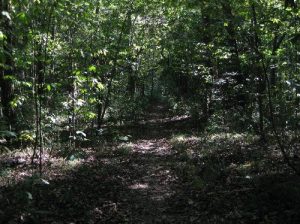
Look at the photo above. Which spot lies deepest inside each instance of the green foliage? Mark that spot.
(82, 76)
(77, 64)
(27, 136)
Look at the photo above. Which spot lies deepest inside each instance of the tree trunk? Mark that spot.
(131, 84)
(6, 85)
(235, 65)
(258, 72)
(99, 113)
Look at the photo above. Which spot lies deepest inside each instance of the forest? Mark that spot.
(149, 111)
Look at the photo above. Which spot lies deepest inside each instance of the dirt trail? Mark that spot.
(129, 182)
(150, 179)
(155, 182)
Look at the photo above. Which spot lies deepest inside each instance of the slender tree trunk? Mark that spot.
(74, 98)
(113, 72)
(6, 71)
(38, 92)
(261, 116)
(72, 110)
(279, 140)
(277, 41)
(273, 69)
(258, 72)
(205, 102)
(40, 68)
(131, 84)
(99, 113)
(235, 65)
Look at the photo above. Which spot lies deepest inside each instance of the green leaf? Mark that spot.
(9, 77)
(2, 36)
(22, 17)
(49, 87)
(92, 68)
(26, 136)
(275, 20)
(27, 84)
(14, 103)
(100, 86)
(77, 73)
(90, 115)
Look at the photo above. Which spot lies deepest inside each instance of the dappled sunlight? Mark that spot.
(156, 184)
(151, 178)
(16, 167)
(165, 120)
(141, 112)
(129, 146)
(186, 138)
(139, 186)
(156, 181)
(179, 139)
(154, 146)
(156, 174)
(232, 137)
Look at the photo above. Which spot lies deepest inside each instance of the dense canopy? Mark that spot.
(214, 83)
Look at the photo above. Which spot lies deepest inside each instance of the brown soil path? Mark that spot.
(149, 179)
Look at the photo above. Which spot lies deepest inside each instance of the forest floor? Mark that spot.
(161, 172)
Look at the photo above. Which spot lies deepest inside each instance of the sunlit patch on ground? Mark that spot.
(162, 177)
(153, 146)
(166, 120)
(139, 186)
(182, 138)
(232, 137)
(16, 166)
(128, 146)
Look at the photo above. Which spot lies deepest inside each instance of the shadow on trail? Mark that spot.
(118, 188)
(148, 180)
